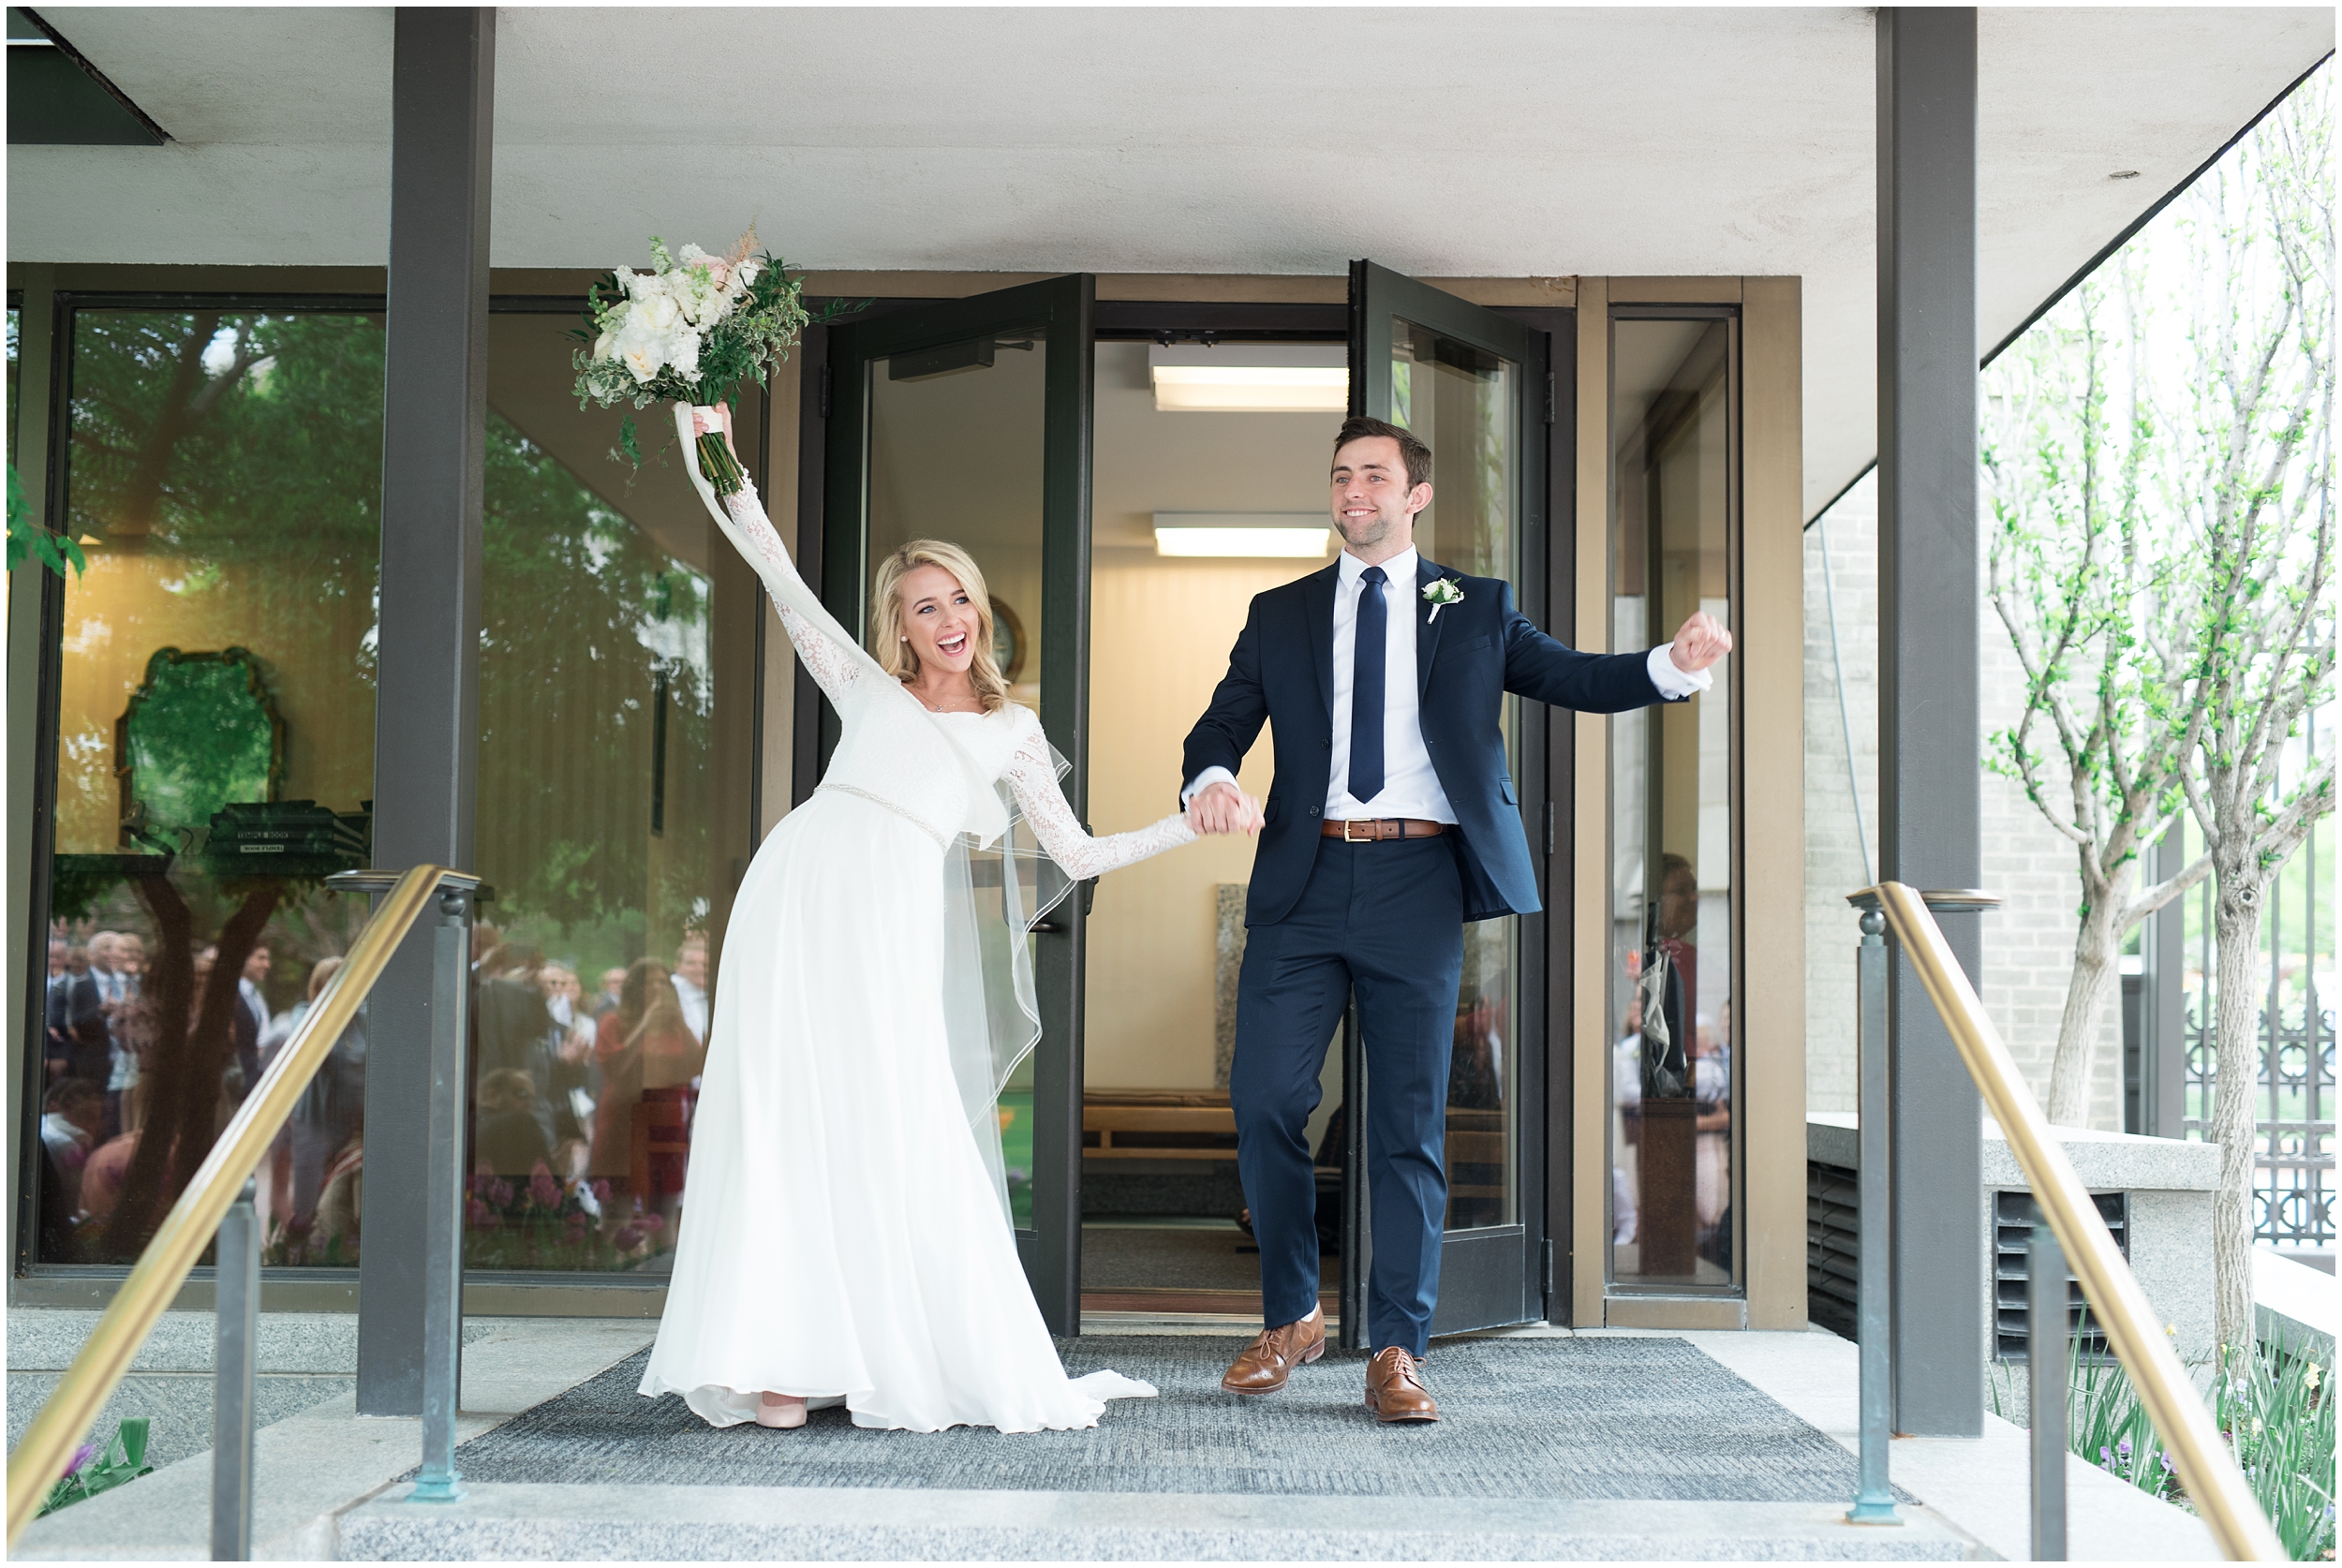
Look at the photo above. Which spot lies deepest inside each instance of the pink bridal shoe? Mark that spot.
(780, 1410)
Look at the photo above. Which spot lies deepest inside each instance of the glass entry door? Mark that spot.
(1474, 385)
(970, 420)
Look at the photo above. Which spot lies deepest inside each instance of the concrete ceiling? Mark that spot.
(1444, 142)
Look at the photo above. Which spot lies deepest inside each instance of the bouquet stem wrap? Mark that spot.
(722, 469)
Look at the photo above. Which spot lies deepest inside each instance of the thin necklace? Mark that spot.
(932, 708)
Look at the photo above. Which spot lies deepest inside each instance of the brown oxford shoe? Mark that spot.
(1269, 1359)
(1394, 1388)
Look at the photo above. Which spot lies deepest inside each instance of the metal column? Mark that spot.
(1874, 1495)
(2163, 1010)
(427, 726)
(443, 1199)
(2046, 1308)
(1928, 600)
(234, 1357)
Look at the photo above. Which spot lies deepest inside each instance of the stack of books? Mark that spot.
(287, 838)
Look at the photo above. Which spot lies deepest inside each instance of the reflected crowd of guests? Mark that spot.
(1671, 1094)
(595, 1088)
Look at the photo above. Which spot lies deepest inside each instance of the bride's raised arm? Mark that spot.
(830, 656)
(1031, 774)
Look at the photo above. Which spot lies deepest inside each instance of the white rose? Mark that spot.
(602, 345)
(657, 311)
(744, 275)
(641, 347)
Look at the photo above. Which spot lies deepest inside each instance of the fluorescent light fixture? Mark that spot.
(1251, 379)
(1295, 535)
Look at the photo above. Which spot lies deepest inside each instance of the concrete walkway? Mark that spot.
(327, 1488)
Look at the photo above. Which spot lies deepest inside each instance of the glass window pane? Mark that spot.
(596, 704)
(214, 760)
(1464, 403)
(1670, 968)
(954, 442)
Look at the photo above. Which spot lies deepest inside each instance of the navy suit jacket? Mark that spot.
(1466, 659)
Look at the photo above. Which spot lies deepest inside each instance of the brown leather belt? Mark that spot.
(1377, 829)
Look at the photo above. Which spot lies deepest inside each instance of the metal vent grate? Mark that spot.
(1832, 1248)
(2012, 1235)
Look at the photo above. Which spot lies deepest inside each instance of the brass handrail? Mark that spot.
(2206, 1466)
(155, 1278)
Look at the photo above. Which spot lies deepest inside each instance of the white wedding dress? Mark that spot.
(842, 1237)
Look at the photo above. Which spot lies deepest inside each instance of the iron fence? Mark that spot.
(2294, 1175)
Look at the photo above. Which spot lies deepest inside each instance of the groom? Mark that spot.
(1390, 823)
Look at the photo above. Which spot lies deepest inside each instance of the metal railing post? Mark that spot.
(237, 1300)
(443, 1197)
(2046, 1308)
(1874, 1496)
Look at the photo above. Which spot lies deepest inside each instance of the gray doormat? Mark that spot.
(1626, 1418)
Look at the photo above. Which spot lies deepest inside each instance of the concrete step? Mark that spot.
(513, 1522)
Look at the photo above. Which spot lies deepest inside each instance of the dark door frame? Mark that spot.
(1497, 1274)
(837, 423)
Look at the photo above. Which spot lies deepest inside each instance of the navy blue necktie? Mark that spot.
(1366, 690)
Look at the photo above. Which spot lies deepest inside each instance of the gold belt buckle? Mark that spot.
(1349, 838)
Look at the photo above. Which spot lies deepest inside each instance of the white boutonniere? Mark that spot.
(1439, 593)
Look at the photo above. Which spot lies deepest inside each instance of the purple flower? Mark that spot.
(476, 1213)
(501, 1193)
(481, 1183)
(2122, 1448)
(543, 1187)
(627, 1240)
(602, 1189)
(82, 1456)
(653, 1223)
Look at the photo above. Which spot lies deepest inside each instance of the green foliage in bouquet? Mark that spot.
(689, 331)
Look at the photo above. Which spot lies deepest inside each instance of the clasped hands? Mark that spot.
(1222, 807)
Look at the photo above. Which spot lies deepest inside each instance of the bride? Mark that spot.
(845, 1235)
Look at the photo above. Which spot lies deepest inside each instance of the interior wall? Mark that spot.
(1161, 630)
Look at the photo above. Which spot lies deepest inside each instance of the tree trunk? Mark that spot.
(2236, 1093)
(184, 1114)
(2095, 968)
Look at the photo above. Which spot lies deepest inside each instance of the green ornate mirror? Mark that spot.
(200, 733)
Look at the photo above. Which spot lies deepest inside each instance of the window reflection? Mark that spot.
(1670, 939)
(592, 965)
(214, 760)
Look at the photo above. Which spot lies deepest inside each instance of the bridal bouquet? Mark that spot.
(689, 330)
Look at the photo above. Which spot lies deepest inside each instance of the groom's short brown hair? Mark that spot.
(1358, 427)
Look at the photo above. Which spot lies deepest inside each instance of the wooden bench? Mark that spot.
(1158, 1124)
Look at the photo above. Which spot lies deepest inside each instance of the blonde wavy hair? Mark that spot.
(888, 644)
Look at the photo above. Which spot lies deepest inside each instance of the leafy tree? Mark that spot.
(2097, 611)
(2158, 456)
(2249, 488)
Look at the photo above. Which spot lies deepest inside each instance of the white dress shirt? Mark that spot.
(694, 1003)
(1410, 787)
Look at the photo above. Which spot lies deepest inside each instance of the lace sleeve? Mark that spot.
(835, 669)
(1031, 773)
